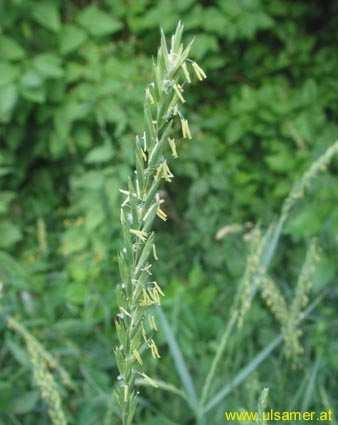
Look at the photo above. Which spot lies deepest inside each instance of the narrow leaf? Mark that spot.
(180, 363)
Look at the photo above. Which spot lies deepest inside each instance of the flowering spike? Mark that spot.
(140, 206)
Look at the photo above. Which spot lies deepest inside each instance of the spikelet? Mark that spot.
(253, 273)
(42, 362)
(278, 306)
(304, 281)
(293, 348)
(274, 299)
(138, 292)
(288, 315)
(291, 329)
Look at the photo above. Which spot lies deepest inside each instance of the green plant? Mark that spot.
(261, 252)
(138, 291)
(42, 364)
(71, 96)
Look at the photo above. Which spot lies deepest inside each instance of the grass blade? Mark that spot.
(311, 386)
(179, 361)
(162, 385)
(217, 358)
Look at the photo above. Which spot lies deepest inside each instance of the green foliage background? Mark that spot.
(72, 75)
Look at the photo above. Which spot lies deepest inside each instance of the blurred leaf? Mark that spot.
(25, 403)
(305, 223)
(5, 199)
(8, 98)
(10, 234)
(8, 73)
(6, 392)
(76, 293)
(46, 13)
(32, 88)
(20, 354)
(280, 161)
(99, 154)
(48, 65)
(98, 22)
(31, 80)
(73, 240)
(214, 20)
(11, 271)
(10, 49)
(71, 38)
(206, 44)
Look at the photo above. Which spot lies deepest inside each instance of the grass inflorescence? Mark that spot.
(138, 291)
(43, 363)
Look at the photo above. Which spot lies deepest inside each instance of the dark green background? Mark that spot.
(72, 77)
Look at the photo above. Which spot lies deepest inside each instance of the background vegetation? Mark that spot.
(72, 75)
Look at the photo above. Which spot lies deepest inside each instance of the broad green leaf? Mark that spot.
(77, 292)
(10, 49)
(48, 65)
(74, 240)
(102, 153)
(91, 180)
(94, 216)
(71, 38)
(5, 197)
(37, 95)
(5, 170)
(8, 73)
(305, 223)
(31, 79)
(10, 234)
(108, 110)
(32, 86)
(97, 22)
(281, 161)
(47, 14)
(8, 98)
(206, 44)
(215, 21)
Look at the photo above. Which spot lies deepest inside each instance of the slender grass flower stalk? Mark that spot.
(138, 291)
(43, 364)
